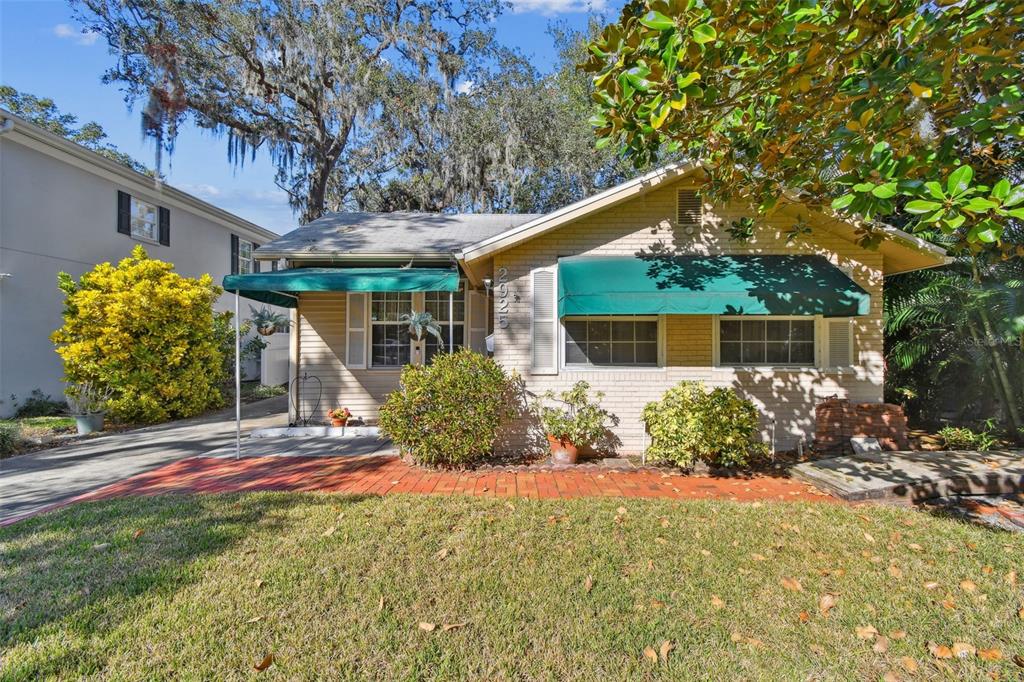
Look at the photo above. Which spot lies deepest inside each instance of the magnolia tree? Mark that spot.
(903, 109)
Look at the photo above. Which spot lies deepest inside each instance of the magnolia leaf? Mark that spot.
(267, 661)
(959, 180)
(1001, 190)
(935, 189)
(881, 645)
(990, 654)
(866, 631)
(920, 206)
(664, 650)
(921, 91)
(1015, 196)
(427, 627)
(717, 602)
(842, 202)
(650, 654)
(792, 584)
(940, 650)
(686, 80)
(657, 21)
(448, 627)
(678, 101)
(704, 33)
(588, 584)
(886, 191)
(827, 602)
(979, 205)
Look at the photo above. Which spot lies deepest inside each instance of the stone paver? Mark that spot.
(913, 476)
(385, 474)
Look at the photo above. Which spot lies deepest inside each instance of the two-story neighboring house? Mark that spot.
(64, 207)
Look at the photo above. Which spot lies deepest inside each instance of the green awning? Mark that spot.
(707, 285)
(281, 287)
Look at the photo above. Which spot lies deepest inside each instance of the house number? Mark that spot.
(501, 304)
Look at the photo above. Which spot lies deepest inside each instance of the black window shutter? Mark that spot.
(234, 254)
(124, 212)
(273, 266)
(165, 226)
(255, 263)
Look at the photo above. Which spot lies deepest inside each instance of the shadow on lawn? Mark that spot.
(65, 565)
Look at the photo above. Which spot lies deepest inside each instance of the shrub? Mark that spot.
(39, 405)
(577, 419)
(690, 423)
(144, 333)
(963, 438)
(10, 436)
(448, 413)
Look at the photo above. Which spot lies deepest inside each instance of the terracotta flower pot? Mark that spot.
(338, 422)
(562, 451)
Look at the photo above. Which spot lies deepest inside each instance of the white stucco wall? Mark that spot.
(57, 213)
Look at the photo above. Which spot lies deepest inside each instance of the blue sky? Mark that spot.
(43, 52)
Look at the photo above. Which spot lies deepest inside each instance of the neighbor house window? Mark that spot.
(436, 303)
(144, 220)
(244, 257)
(389, 339)
(766, 341)
(611, 341)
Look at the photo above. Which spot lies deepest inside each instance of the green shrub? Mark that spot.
(39, 405)
(144, 333)
(690, 423)
(10, 436)
(448, 413)
(963, 438)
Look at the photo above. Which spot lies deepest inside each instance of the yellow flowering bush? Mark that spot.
(144, 332)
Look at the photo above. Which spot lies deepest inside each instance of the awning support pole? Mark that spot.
(451, 322)
(238, 382)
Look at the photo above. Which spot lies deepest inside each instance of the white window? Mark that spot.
(390, 344)
(144, 220)
(244, 257)
(611, 341)
(437, 304)
(766, 341)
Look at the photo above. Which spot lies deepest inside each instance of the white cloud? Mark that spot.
(69, 32)
(464, 87)
(202, 190)
(552, 7)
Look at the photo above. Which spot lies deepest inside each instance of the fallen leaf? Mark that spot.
(881, 645)
(448, 627)
(869, 537)
(931, 585)
(255, 619)
(267, 661)
(804, 616)
(890, 676)
(963, 650)
(665, 523)
(753, 641)
(968, 585)
(666, 647)
(1020, 613)
(895, 572)
(717, 602)
(137, 534)
(736, 637)
(427, 627)
(650, 654)
(759, 557)
(621, 510)
(329, 532)
(792, 584)
(661, 540)
(898, 634)
(705, 552)
(100, 546)
(1011, 578)
(940, 650)
(441, 553)
(826, 603)
(259, 583)
(916, 547)
(588, 584)
(990, 654)
(657, 604)
(909, 664)
(987, 570)
(866, 631)
(949, 604)
(380, 604)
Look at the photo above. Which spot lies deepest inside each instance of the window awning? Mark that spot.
(654, 284)
(282, 287)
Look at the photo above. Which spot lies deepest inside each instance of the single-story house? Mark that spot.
(633, 289)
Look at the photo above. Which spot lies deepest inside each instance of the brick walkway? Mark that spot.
(381, 475)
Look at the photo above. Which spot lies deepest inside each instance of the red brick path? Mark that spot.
(378, 475)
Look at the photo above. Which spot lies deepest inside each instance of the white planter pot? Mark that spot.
(89, 423)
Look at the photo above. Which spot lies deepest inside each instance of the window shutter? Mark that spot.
(689, 208)
(124, 212)
(255, 263)
(543, 305)
(273, 266)
(165, 226)
(840, 343)
(477, 321)
(234, 254)
(355, 331)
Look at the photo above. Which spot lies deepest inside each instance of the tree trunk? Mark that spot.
(998, 362)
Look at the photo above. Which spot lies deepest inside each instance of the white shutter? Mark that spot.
(689, 208)
(543, 321)
(840, 342)
(477, 321)
(355, 331)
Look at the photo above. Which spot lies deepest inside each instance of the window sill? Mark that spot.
(145, 240)
(616, 368)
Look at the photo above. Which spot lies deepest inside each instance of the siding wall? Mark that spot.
(643, 224)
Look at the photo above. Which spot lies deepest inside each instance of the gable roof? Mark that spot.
(403, 233)
(42, 140)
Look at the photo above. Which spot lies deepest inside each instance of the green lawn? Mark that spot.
(335, 586)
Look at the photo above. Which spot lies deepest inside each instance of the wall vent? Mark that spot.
(689, 208)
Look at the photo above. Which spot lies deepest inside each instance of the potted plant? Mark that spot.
(577, 421)
(268, 322)
(339, 416)
(421, 324)
(87, 404)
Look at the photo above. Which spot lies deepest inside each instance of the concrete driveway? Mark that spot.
(39, 479)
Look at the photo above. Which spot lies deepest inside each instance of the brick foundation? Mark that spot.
(837, 420)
